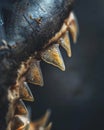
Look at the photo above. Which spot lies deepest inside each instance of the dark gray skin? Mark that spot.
(24, 32)
(24, 36)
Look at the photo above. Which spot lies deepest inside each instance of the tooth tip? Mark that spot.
(69, 55)
(65, 43)
(34, 75)
(25, 92)
(20, 108)
(75, 39)
(63, 68)
(73, 27)
(48, 113)
(52, 55)
(49, 126)
(41, 85)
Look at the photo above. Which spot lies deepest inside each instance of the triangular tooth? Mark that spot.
(25, 92)
(49, 126)
(44, 119)
(19, 122)
(73, 27)
(41, 122)
(34, 75)
(65, 43)
(20, 108)
(52, 55)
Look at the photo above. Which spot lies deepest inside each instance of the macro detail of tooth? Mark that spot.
(73, 27)
(52, 55)
(25, 92)
(43, 120)
(34, 75)
(20, 108)
(65, 43)
(19, 122)
(41, 123)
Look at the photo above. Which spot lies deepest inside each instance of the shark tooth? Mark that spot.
(65, 43)
(34, 75)
(52, 55)
(41, 122)
(20, 108)
(19, 122)
(49, 126)
(73, 27)
(25, 92)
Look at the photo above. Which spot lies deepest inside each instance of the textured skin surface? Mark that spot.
(23, 30)
(25, 35)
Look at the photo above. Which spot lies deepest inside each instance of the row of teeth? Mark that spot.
(18, 115)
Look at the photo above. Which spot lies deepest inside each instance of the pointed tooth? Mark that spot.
(49, 126)
(73, 27)
(25, 92)
(34, 74)
(52, 55)
(41, 122)
(20, 108)
(44, 119)
(19, 122)
(65, 43)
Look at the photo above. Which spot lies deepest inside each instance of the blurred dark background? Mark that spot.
(76, 96)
